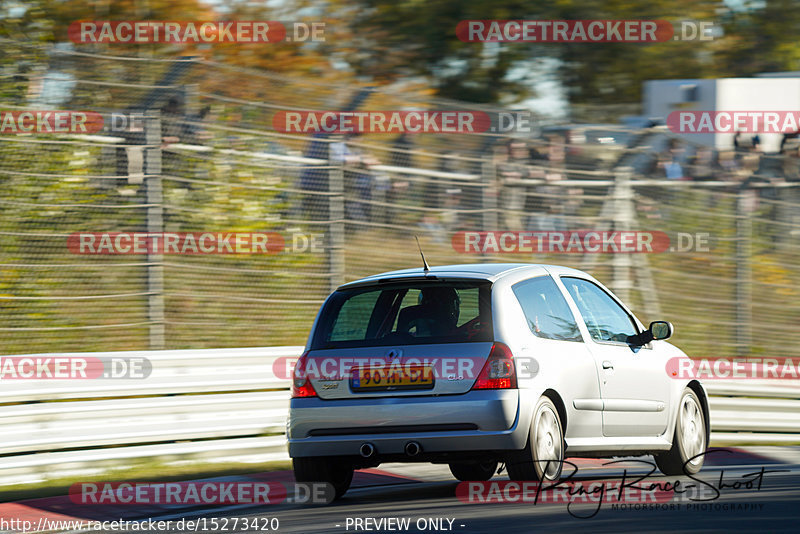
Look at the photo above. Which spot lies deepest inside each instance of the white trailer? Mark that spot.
(771, 92)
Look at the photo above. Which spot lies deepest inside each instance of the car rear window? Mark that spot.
(411, 313)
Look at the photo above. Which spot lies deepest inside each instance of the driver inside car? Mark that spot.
(436, 314)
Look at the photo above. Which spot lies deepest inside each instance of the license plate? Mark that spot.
(405, 377)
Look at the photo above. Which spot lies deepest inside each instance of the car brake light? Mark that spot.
(301, 385)
(499, 371)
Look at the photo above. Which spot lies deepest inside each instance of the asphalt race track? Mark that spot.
(780, 511)
(425, 497)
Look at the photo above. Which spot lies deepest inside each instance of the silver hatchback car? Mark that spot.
(476, 365)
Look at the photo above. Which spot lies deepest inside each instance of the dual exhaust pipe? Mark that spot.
(367, 450)
(412, 448)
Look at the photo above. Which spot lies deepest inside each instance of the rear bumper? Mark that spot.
(475, 421)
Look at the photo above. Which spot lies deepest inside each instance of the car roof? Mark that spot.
(479, 271)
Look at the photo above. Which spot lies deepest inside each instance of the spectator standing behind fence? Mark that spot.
(397, 186)
(670, 162)
(446, 198)
(745, 176)
(790, 149)
(702, 167)
(547, 204)
(179, 125)
(729, 165)
(511, 172)
(358, 181)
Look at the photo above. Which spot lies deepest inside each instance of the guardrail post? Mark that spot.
(336, 227)
(744, 282)
(155, 225)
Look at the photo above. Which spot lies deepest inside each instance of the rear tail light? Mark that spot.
(301, 384)
(499, 371)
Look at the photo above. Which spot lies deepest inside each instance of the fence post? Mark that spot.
(744, 284)
(336, 227)
(155, 225)
(623, 222)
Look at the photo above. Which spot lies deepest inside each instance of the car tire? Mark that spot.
(465, 471)
(542, 459)
(689, 439)
(336, 472)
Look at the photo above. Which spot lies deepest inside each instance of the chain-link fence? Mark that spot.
(202, 157)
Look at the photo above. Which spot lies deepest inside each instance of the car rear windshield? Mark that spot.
(406, 313)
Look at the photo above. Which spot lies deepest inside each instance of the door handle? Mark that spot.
(607, 365)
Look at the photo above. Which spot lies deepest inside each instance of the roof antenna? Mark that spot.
(425, 266)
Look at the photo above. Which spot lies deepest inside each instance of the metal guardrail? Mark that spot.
(228, 405)
(754, 411)
(210, 405)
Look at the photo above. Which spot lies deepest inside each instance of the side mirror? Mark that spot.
(661, 329)
(657, 330)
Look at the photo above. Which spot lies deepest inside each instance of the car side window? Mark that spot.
(604, 317)
(546, 309)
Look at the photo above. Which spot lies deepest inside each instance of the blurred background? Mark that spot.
(207, 158)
